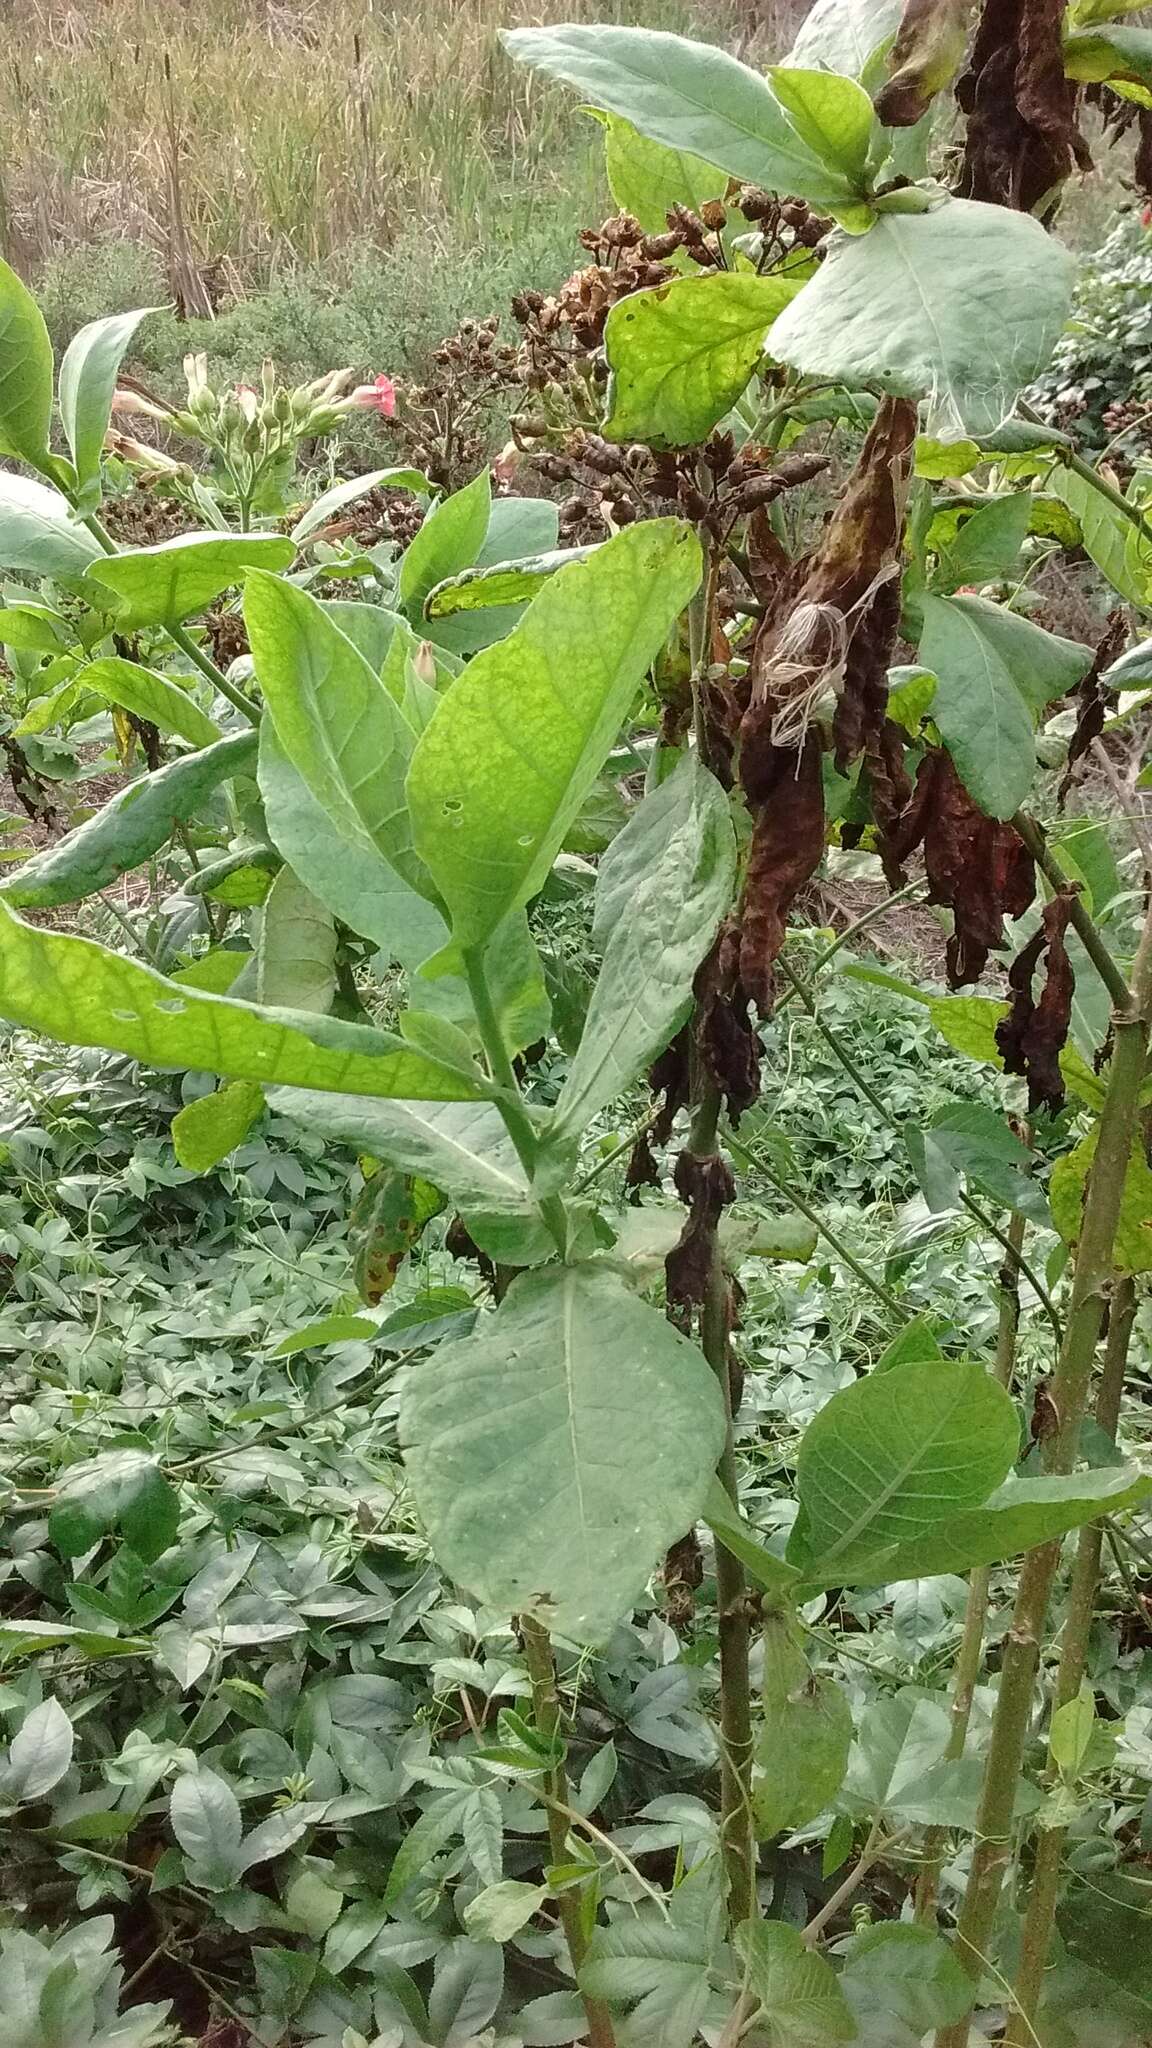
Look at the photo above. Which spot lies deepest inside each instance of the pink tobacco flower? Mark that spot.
(379, 396)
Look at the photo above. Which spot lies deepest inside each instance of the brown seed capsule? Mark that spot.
(714, 215)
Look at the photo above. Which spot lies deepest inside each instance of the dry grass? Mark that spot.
(283, 130)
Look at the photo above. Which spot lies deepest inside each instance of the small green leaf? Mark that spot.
(117, 1489)
(961, 306)
(986, 548)
(39, 1756)
(901, 1982)
(38, 536)
(462, 1147)
(296, 953)
(682, 353)
(803, 1739)
(1120, 549)
(524, 731)
(521, 1448)
(995, 673)
(164, 584)
(660, 1964)
(74, 990)
(206, 1822)
(30, 631)
(914, 1342)
(1071, 1730)
(831, 114)
(1132, 1248)
(150, 696)
(88, 375)
(25, 373)
(449, 540)
(505, 584)
(1117, 56)
(501, 1910)
(801, 2004)
(205, 1131)
(133, 824)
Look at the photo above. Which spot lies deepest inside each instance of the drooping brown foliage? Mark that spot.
(1022, 139)
(786, 787)
(1091, 700)
(925, 57)
(726, 1039)
(977, 867)
(706, 1187)
(1033, 1034)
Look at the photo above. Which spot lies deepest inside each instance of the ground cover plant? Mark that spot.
(669, 1565)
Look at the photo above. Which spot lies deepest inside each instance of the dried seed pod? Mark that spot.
(1033, 1034)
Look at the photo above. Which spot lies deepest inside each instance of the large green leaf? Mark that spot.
(682, 353)
(961, 306)
(803, 1738)
(845, 35)
(134, 823)
(901, 1982)
(986, 547)
(150, 696)
(556, 1453)
(647, 179)
(74, 990)
(88, 375)
(462, 1146)
(339, 725)
(695, 98)
(518, 740)
(296, 954)
(1117, 56)
(800, 2003)
(350, 876)
(162, 585)
(995, 672)
(25, 372)
(671, 874)
(37, 534)
(1132, 1249)
(889, 1457)
(449, 540)
(1019, 1515)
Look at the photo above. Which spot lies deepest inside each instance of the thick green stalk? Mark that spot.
(970, 1654)
(517, 1121)
(1118, 1125)
(1036, 1937)
(546, 1706)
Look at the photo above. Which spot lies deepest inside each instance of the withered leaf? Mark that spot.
(1091, 699)
(924, 59)
(786, 787)
(977, 867)
(1033, 1034)
(706, 1186)
(1022, 139)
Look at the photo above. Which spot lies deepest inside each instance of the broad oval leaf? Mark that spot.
(167, 583)
(25, 373)
(339, 725)
(692, 97)
(889, 1457)
(682, 353)
(522, 734)
(521, 1445)
(38, 536)
(1132, 1247)
(206, 1822)
(77, 991)
(961, 306)
(647, 179)
(674, 866)
(150, 696)
(296, 953)
(88, 374)
(135, 823)
(206, 1130)
(449, 540)
(40, 1754)
(462, 1147)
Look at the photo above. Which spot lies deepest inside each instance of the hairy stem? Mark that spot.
(546, 1706)
(970, 1653)
(1117, 1128)
(1036, 1936)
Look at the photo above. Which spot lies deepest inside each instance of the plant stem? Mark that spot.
(877, 1846)
(851, 931)
(800, 1202)
(970, 1653)
(517, 1121)
(1036, 1935)
(1082, 921)
(546, 1706)
(1117, 1128)
(974, 1208)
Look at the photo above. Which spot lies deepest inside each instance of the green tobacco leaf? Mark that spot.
(896, 1453)
(961, 306)
(801, 2003)
(522, 734)
(25, 373)
(88, 375)
(1120, 550)
(296, 954)
(995, 673)
(682, 353)
(37, 534)
(520, 530)
(330, 502)
(74, 990)
(150, 696)
(205, 1131)
(1117, 56)
(449, 540)
(802, 1741)
(505, 584)
(386, 1223)
(1132, 1250)
(846, 35)
(135, 823)
(675, 863)
(729, 1525)
(123, 1490)
(831, 114)
(462, 1146)
(340, 727)
(901, 1982)
(1019, 1515)
(30, 631)
(521, 1448)
(695, 98)
(162, 585)
(351, 877)
(987, 546)
(647, 179)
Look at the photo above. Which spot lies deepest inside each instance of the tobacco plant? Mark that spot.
(409, 766)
